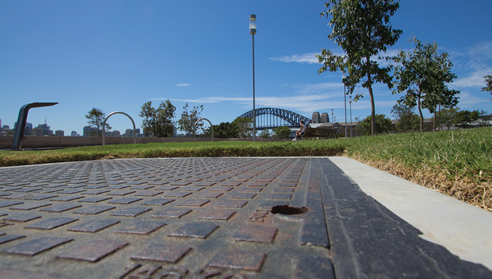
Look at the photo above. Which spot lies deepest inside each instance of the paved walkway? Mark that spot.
(233, 218)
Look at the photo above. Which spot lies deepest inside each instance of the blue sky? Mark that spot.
(117, 55)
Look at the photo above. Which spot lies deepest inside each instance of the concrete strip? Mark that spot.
(463, 229)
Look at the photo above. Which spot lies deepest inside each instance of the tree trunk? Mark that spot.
(420, 113)
(373, 111)
(435, 117)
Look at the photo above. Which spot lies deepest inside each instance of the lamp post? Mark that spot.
(350, 102)
(345, 103)
(332, 120)
(252, 31)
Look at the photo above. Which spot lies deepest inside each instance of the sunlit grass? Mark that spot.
(457, 163)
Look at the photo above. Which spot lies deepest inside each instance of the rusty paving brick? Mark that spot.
(207, 195)
(95, 192)
(9, 203)
(94, 226)
(95, 199)
(205, 183)
(278, 196)
(94, 250)
(221, 189)
(141, 227)
(250, 190)
(120, 193)
(22, 217)
(193, 203)
(172, 213)
(61, 207)
(158, 202)
(8, 238)
(131, 211)
(255, 234)
(67, 198)
(216, 214)
(176, 194)
(162, 253)
(70, 191)
(127, 200)
(29, 206)
(242, 196)
(195, 230)
(231, 204)
(41, 197)
(238, 260)
(148, 193)
(51, 223)
(95, 209)
(37, 246)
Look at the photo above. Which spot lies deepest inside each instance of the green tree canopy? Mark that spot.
(158, 122)
(422, 74)
(488, 81)
(282, 132)
(362, 29)
(244, 125)
(407, 119)
(223, 130)
(188, 118)
(264, 134)
(96, 119)
(383, 125)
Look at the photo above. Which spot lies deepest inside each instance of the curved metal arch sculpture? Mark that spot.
(289, 116)
(104, 126)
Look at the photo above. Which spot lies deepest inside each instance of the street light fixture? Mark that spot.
(252, 31)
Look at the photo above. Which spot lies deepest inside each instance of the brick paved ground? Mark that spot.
(206, 218)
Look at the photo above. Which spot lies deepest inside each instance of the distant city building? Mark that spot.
(90, 131)
(36, 131)
(316, 118)
(46, 129)
(129, 133)
(59, 133)
(325, 118)
(114, 134)
(74, 134)
(6, 127)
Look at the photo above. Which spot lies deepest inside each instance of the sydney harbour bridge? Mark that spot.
(270, 118)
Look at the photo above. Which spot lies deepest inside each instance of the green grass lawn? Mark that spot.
(458, 163)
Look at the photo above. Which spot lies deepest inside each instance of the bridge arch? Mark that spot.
(290, 118)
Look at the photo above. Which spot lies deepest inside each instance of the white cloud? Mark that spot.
(309, 58)
(468, 101)
(475, 79)
(183, 84)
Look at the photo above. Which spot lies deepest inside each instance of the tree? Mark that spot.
(362, 29)
(158, 122)
(447, 117)
(264, 134)
(382, 125)
(282, 132)
(223, 130)
(96, 119)
(488, 81)
(188, 119)
(244, 125)
(423, 74)
(407, 119)
(464, 117)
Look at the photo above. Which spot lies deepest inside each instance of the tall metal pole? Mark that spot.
(345, 103)
(350, 102)
(254, 110)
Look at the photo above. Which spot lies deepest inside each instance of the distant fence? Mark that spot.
(54, 141)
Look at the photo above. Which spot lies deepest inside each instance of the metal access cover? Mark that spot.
(140, 218)
(206, 218)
